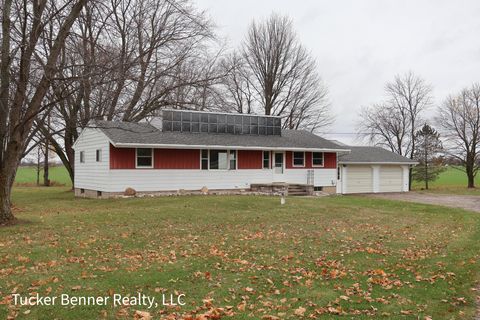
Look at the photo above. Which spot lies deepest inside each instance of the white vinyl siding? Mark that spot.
(91, 174)
(391, 179)
(359, 179)
(194, 179)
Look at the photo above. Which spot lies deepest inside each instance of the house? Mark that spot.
(189, 151)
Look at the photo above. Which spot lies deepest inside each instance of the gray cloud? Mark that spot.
(360, 45)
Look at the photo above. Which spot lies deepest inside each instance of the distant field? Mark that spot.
(452, 180)
(28, 175)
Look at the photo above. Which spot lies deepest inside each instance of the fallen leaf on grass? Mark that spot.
(300, 311)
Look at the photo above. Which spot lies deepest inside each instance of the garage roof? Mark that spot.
(128, 134)
(365, 155)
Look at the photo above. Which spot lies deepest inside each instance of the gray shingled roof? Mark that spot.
(372, 155)
(125, 133)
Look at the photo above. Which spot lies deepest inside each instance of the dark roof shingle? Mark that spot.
(372, 155)
(122, 133)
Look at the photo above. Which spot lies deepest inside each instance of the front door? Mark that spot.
(278, 166)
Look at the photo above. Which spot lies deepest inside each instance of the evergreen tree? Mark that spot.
(426, 152)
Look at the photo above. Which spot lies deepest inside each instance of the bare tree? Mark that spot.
(459, 119)
(282, 76)
(26, 71)
(393, 123)
(238, 94)
(386, 126)
(127, 60)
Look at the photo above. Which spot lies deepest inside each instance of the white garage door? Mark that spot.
(391, 179)
(359, 179)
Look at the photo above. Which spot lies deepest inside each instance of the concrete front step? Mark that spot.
(297, 190)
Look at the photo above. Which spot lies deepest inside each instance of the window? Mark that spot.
(299, 159)
(82, 156)
(82, 191)
(204, 159)
(233, 159)
(317, 159)
(219, 159)
(144, 158)
(317, 188)
(266, 159)
(99, 193)
(338, 173)
(98, 155)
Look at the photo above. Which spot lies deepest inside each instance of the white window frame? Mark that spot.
(228, 160)
(144, 167)
(98, 155)
(208, 159)
(82, 156)
(323, 160)
(293, 159)
(236, 159)
(269, 160)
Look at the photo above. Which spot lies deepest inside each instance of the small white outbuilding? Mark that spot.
(372, 170)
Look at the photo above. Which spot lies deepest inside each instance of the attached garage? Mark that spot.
(372, 170)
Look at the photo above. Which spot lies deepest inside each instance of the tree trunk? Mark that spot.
(46, 180)
(469, 169)
(471, 179)
(6, 215)
(38, 165)
(410, 176)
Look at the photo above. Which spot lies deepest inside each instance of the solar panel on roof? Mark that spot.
(211, 122)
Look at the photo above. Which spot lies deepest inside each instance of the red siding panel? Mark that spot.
(122, 158)
(250, 159)
(289, 160)
(329, 160)
(176, 159)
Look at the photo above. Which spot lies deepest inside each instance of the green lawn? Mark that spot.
(452, 180)
(28, 175)
(245, 256)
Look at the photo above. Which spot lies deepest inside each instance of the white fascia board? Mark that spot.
(186, 146)
(379, 162)
(87, 127)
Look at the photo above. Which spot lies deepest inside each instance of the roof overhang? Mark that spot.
(188, 146)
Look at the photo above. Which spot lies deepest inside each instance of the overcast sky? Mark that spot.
(359, 45)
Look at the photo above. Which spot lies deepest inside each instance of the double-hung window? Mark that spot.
(82, 156)
(204, 159)
(98, 155)
(233, 160)
(299, 159)
(317, 159)
(218, 159)
(144, 158)
(266, 159)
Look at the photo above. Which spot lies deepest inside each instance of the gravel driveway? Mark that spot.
(455, 201)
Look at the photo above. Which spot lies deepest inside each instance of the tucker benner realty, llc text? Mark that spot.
(116, 299)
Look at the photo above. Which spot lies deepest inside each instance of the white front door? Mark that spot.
(278, 166)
